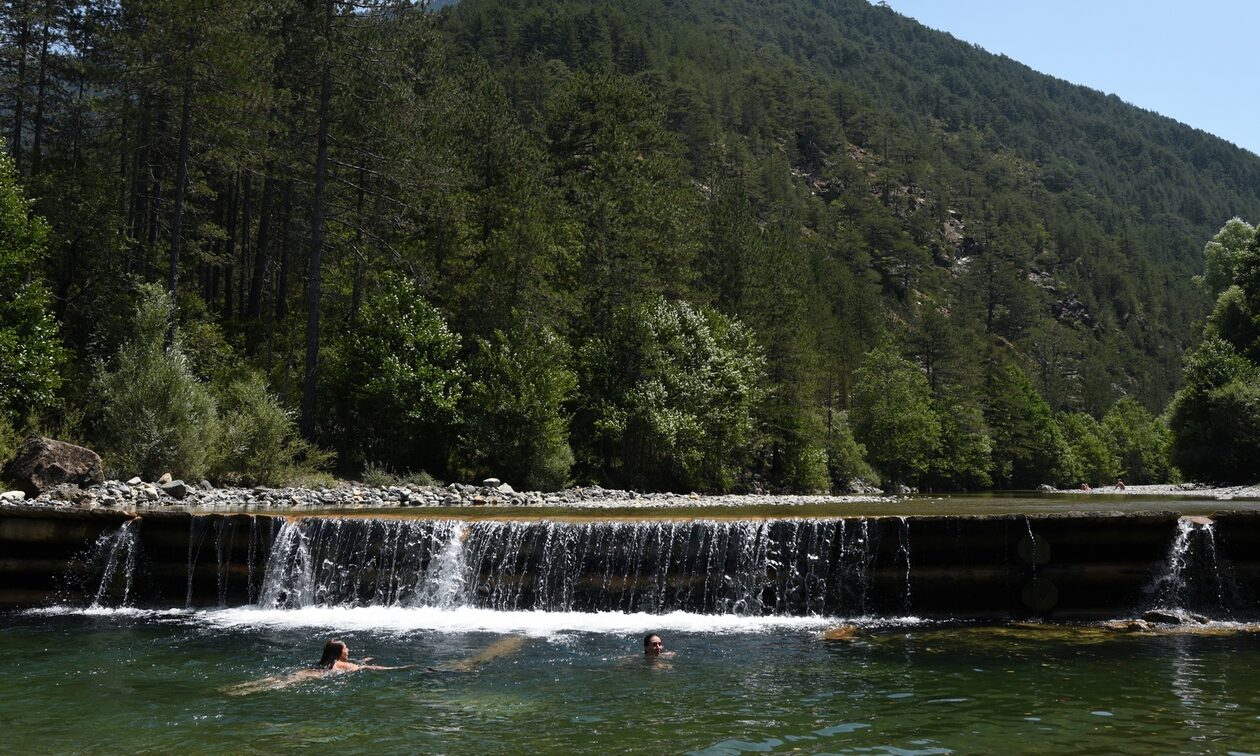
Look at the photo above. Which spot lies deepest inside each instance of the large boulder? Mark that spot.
(42, 463)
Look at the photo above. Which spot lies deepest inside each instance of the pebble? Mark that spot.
(349, 496)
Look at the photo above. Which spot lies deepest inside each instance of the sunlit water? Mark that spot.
(161, 681)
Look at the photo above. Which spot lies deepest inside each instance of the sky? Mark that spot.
(1192, 60)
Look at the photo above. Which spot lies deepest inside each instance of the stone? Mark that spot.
(42, 463)
(166, 478)
(67, 492)
(176, 489)
(491, 482)
(504, 488)
(843, 633)
(135, 481)
(1174, 617)
(1046, 488)
(204, 485)
(12, 496)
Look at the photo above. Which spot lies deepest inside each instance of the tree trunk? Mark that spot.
(181, 183)
(282, 282)
(19, 86)
(37, 139)
(229, 251)
(254, 311)
(247, 222)
(310, 381)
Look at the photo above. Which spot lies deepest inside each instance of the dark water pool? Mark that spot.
(159, 682)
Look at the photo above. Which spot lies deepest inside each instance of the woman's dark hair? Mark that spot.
(332, 652)
(648, 638)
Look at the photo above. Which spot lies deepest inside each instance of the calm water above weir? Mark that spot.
(160, 682)
(997, 503)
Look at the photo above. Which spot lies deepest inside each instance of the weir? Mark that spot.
(1078, 566)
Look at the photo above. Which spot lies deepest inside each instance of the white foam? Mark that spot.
(125, 612)
(539, 624)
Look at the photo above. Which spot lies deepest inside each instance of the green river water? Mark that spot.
(163, 682)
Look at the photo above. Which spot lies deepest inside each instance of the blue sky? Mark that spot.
(1197, 62)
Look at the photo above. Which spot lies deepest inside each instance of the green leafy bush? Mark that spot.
(893, 416)
(1093, 460)
(258, 442)
(30, 350)
(1139, 442)
(1214, 418)
(666, 397)
(155, 416)
(516, 426)
(397, 381)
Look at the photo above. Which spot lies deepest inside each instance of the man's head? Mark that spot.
(652, 645)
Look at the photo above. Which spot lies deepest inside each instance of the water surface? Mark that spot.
(157, 681)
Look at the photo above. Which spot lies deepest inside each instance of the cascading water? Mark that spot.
(748, 568)
(1194, 577)
(116, 554)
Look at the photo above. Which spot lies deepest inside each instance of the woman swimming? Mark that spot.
(334, 660)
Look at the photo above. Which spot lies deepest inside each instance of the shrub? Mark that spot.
(258, 443)
(666, 397)
(516, 427)
(397, 381)
(893, 415)
(155, 416)
(30, 350)
(1139, 442)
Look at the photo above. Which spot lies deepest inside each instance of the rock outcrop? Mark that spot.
(42, 464)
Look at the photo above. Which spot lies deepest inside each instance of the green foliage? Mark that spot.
(1093, 459)
(829, 175)
(846, 458)
(1214, 418)
(155, 416)
(1222, 255)
(965, 458)
(397, 381)
(1028, 447)
(893, 416)
(258, 442)
(1139, 441)
(378, 475)
(666, 397)
(30, 350)
(516, 425)
(10, 439)
(807, 469)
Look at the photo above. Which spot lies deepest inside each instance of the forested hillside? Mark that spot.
(698, 244)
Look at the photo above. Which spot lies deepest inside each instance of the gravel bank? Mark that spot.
(144, 496)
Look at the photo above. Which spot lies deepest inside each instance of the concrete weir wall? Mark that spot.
(1077, 566)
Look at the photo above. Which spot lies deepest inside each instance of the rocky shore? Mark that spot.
(1195, 490)
(137, 495)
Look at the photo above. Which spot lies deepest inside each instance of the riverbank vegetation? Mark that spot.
(702, 245)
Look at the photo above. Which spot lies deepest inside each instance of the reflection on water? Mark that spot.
(110, 680)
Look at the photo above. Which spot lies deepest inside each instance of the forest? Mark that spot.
(690, 245)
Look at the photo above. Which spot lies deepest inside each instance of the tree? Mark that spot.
(516, 427)
(1093, 460)
(1028, 447)
(1215, 418)
(893, 416)
(1138, 441)
(666, 398)
(396, 381)
(30, 350)
(155, 416)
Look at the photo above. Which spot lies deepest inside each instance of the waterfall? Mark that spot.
(116, 554)
(751, 568)
(1194, 577)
